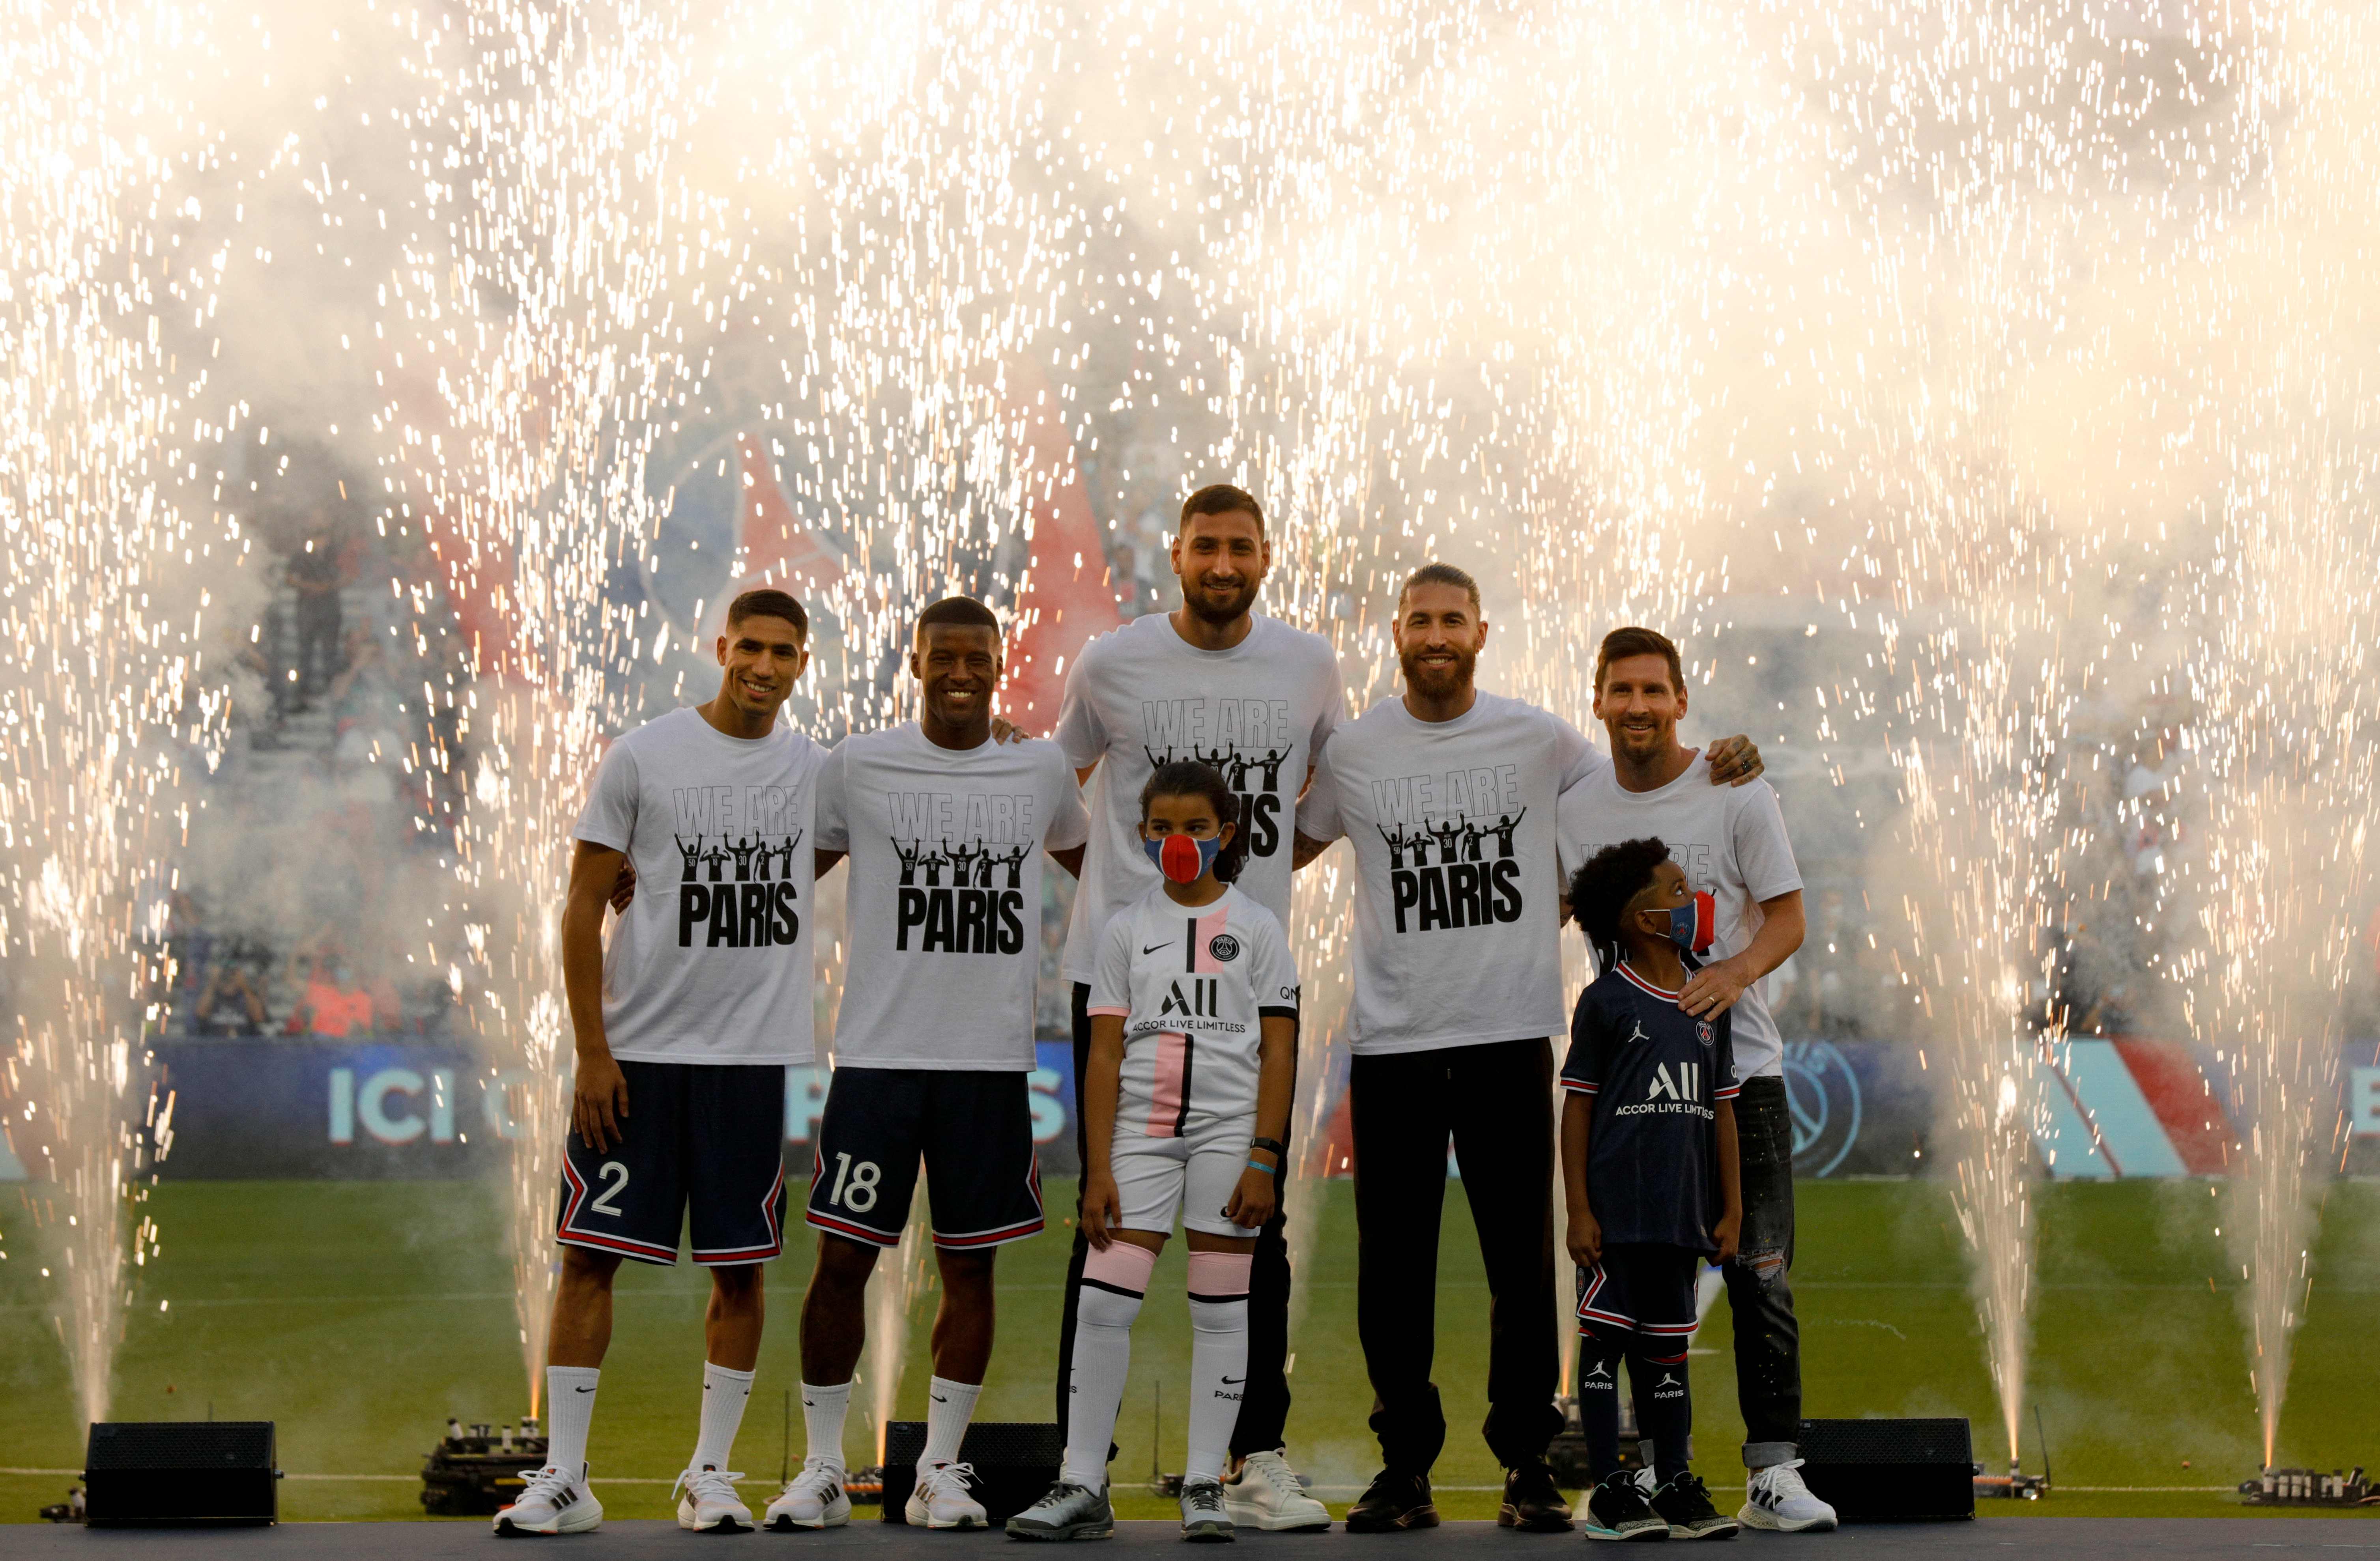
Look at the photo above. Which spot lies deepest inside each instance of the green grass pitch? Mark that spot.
(361, 1315)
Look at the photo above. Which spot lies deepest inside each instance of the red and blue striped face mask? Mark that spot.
(1694, 924)
(1180, 858)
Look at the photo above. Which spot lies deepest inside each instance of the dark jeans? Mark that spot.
(1495, 1103)
(1264, 1402)
(1759, 1284)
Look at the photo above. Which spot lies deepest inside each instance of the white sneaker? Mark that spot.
(941, 1500)
(554, 1502)
(1266, 1493)
(1775, 1499)
(709, 1504)
(812, 1499)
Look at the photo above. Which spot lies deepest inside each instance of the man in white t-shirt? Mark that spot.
(1732, 844)
(1216, 682)
(1448, 796)
(945, 829)
(683, 1027)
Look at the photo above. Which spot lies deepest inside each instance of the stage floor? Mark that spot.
(2086, 1539)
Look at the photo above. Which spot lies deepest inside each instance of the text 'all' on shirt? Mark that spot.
(1731, 843)
(1457, 926)
(1141, 695)
(944, 906)
(1193, 985)
(711, 961)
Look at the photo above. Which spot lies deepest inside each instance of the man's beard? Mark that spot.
(1205, 610)
(1437, 682)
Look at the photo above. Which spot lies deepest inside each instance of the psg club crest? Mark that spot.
(1224, 947)
(1703, 1033)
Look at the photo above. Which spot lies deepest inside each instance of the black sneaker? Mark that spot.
(1617, 1510)
(1685, 1505)
(1532, 1502)
(1394, 1502)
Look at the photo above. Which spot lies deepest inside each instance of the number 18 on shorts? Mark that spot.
(974, 1133)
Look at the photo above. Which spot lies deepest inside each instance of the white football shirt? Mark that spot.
(1193, 986)
(711, 961)
(943, 909)
(1730, 841)
(1141, 695)
(1457, 894)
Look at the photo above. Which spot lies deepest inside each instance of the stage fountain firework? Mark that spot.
(112, 546)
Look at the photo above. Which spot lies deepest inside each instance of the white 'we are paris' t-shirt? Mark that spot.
(944, 901)
(711, 961)
(1457, 889)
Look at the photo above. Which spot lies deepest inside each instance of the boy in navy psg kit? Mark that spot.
(1649, 1172)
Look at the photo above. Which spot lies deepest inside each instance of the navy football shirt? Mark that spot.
(1654, 1075)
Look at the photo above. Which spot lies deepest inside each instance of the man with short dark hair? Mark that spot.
(1458, 992)
(683, 1027)
(1733, 846)
(1218, 682)
(933, 1045)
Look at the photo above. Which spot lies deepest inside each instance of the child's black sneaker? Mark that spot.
(1617, 1510)
(1685, 1505)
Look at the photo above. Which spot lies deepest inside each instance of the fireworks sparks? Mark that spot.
(2022, 344)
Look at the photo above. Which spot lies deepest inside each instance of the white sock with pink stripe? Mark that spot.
(1218, 1358)
(1113, 1283)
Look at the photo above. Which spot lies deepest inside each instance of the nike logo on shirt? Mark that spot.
(1153, 948)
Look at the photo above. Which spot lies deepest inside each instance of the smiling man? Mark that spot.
(683, 1028)
(1217, 682)
(933, 1044)
(1733, 845)
(1448, 795)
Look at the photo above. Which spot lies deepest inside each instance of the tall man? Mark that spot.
(933, 1044)
(1733, 845)
(683, 1028)
(1218, 682)
(1458, 987)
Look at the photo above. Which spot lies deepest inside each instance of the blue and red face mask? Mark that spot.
(1180, 858)
(1694, 925)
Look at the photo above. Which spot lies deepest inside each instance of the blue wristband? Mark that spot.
(1260, 1165)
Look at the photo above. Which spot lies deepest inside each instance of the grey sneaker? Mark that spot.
(1068, 1512)
(1203, 1517)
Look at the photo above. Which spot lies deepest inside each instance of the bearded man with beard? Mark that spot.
(1458, 991)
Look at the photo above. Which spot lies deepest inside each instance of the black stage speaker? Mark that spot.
(181, 1471)
(1890, 1470)
(1015, 1463)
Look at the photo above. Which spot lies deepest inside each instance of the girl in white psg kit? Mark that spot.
(1193, 1013)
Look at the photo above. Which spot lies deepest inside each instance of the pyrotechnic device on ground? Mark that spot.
(1890, 1470)
(178, 1472)
(1015, 1462)
(2307, 1487)
(477, 1470)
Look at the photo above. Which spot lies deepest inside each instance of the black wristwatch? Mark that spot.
(1278, 1150)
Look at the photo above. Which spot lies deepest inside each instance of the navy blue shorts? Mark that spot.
(972, 1131)
(1641, 1297)
(703, 1146)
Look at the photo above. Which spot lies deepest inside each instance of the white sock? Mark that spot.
(1113, 1283)
(823, 1413)
(723, 1395)
(950, 1405)
(1218, 1358)
(569, 1410)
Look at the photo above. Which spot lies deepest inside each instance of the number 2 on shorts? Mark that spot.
(618, 1184)
(851, 1182)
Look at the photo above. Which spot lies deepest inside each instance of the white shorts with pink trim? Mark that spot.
(1192, 1173)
